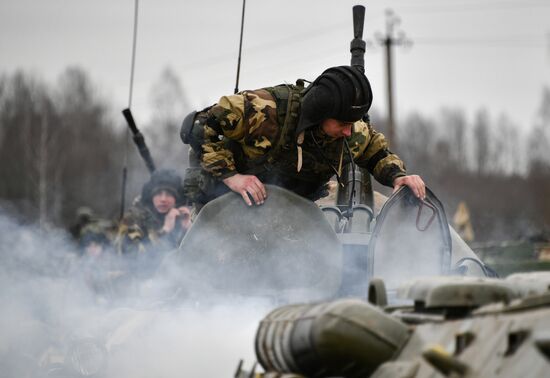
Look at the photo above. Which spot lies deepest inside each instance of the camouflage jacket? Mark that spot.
(140, 232)
(240, 130)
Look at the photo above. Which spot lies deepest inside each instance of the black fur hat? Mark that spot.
(162, 179)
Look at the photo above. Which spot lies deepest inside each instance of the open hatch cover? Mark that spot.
(284, 245)
(411, 239)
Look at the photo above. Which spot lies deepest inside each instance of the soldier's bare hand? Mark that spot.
(185, 216)
(414, 182)
(247, 185)
(170, 220)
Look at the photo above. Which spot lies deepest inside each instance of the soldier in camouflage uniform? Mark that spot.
(157, 221)
(84, 216)
(94, 239)
(290, 136)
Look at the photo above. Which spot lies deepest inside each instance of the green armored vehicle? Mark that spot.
(290, 249)
(450, 327)
(396, 295)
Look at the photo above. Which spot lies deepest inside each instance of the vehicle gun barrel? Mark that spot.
(353, 175)
(357, 45)
(139, 140)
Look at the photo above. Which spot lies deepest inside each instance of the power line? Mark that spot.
(419, 41)
(498, 41)
(475, 2)
(477, 6)
(481, 42)
(285, 42)
(333, 51)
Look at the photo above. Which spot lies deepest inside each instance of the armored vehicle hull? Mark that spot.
(453, 326)
(292, 250)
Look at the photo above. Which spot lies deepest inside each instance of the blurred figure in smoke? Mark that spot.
(84, 216)
(157, 221)
(94, 240)
(292, 136)
(96, 263)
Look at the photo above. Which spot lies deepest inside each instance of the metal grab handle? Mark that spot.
(434, 211)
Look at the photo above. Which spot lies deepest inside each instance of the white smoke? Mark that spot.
(55, 313)
(50, 316)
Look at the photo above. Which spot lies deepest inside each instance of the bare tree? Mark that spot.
(58, 150)
(482, 141)
(418, 142)
(508, 149)
(454, 124)
(93, 150)
(539, 140)
(3, 90)
(25, 115)
(170, 104)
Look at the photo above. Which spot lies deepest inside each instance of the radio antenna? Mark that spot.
(240, 49)
(125, 167)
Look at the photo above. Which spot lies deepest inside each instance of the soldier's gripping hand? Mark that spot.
(170, 220)
(414, 182)
(247, 185)
(185, 217)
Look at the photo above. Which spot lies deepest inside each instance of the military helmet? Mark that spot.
(342, 93)
(162, 179)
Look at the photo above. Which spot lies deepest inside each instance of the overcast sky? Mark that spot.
(465, 53)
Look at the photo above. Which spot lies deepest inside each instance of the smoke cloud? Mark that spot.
(61, 310)
(53, 318)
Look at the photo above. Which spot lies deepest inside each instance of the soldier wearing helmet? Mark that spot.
(290, 136)
(158, 220)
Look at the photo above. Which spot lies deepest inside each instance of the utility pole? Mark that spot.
(388, 41)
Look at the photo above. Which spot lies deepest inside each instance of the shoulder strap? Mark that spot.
(288, 99)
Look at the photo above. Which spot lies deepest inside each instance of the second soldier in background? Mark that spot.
(157, 221)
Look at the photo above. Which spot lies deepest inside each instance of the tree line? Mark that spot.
(63, 146)
(501, 170)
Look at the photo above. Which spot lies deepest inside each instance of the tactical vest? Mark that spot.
(287, 97)
(278, 166)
